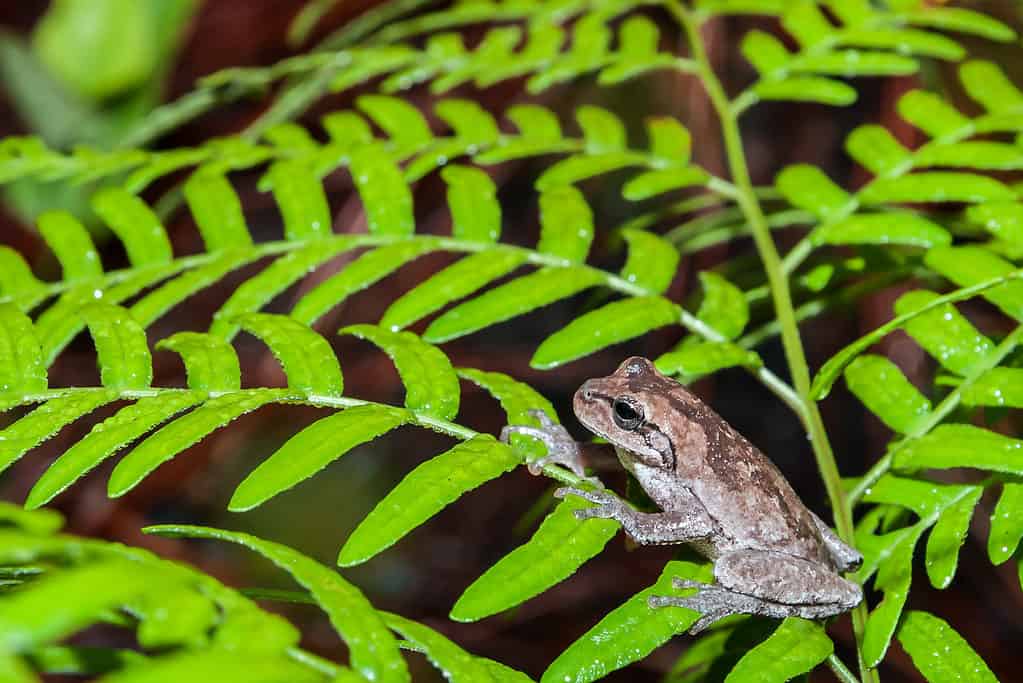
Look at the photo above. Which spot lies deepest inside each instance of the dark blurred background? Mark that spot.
(423, 575)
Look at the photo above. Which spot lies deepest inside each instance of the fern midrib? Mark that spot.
(419, 418)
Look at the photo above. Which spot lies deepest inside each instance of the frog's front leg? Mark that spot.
(767, 584)
(685, 524)
(562, 449)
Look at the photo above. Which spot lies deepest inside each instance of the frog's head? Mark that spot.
(633, 409)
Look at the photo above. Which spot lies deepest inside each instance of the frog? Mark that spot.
(772, 556)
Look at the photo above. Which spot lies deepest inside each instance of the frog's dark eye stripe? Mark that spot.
(627, 414)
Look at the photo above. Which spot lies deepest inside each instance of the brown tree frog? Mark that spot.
(772, 556)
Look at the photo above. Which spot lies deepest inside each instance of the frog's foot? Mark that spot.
(562, 449)
(606, 504)
(711, 601)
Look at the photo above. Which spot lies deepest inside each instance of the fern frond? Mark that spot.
(867, 41)
(188, 625)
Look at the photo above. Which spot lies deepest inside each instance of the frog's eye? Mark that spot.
(627, 414)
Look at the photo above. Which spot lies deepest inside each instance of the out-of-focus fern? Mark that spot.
(188, 625)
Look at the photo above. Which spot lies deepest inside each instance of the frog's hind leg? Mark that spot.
(766, 584)
(845, 557)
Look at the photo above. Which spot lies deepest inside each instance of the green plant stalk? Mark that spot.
(947, 405)
(781, 296)
(840, 670)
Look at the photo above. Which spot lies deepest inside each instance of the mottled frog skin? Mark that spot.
(772, 556)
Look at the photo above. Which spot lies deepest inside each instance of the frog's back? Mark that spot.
(741, 488)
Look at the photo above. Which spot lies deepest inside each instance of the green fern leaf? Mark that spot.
(944, 333)
(807, 187)
(176, 616)
(144, 237)
(904, 41)
(1004, 220)
(696, 359)
(183, 432)
(44, 614)
(963, 21)
(1006, 524)
(312, 449)
(307, 358)
(431, 386)
(969, 265)
(581, 167)
(539, 133)
(894, 578)
(855, 63)
(469, 121)
(45, 421)
(806, 23)
(637, 52)
(347, 130)
(938, 652)
(364, 271)
(807, 89)
(557, 549)
(591, 39)
(517, 399)
(651, 262)
(724, 306)
(219, 665)
(961, 445)
(121, 347)
(877, 150)
(947, 537)
(1001, 387)
(886, 392)
(510, 300)
(210, 362)
(629, 632)
(21, 362)
(17, 283)
(475, 211)
(72, 245)
(105, 439)
(653, 183)
(384, 193)
(932, 114)
(424, 492)
(890, 227)
(400, 121)
(299, 194)
(936, 186)
(278, 276)
(35, 522)
(610, 324)
(566, 224)
(989, 156)
(796, 647)
(468, 275)
(217, 211)
(374, 652)
(457, 665)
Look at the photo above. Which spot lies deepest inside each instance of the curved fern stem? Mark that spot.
(419, 418)
(780, 294)
(947, 405)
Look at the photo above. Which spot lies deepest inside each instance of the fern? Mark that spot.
(942, 217)
(189, 625)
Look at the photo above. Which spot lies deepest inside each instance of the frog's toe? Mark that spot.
(601, 498)
(542, 417)
(679, 583)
